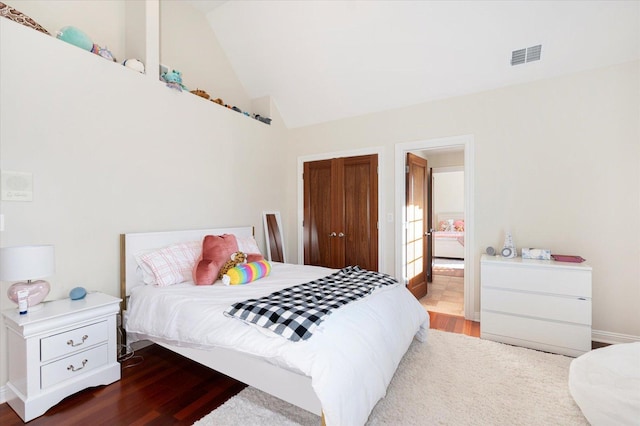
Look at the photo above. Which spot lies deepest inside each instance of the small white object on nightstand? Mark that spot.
(63, 348)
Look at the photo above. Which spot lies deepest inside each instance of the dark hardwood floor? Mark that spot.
(163, 388)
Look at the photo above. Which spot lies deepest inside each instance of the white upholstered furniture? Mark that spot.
(539, 304)
(66, 346)
(605, 383)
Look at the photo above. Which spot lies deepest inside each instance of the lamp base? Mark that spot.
(38, 290)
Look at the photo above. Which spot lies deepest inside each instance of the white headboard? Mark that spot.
(132, 243)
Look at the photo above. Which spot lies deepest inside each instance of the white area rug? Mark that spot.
(450, 380)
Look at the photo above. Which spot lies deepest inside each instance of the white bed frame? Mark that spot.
(289, 386)
(447, 247)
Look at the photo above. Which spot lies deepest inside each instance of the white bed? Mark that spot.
(448, 242)
(340, 372)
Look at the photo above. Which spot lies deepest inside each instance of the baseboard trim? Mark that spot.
(612, 338)
(3, 394)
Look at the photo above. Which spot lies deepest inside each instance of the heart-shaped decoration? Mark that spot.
(38, 290)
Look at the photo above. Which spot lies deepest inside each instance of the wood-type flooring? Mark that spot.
(159, 387)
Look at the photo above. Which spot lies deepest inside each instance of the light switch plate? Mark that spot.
(16, 186)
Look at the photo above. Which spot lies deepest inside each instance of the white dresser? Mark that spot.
(539, 304)
(66, 346)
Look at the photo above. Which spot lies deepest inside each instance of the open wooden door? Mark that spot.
(417, 185)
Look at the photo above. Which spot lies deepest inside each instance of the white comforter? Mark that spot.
(351, 357)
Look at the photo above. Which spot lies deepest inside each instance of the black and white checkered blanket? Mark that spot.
(295, 312)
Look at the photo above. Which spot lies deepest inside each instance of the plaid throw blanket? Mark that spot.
(295, 312)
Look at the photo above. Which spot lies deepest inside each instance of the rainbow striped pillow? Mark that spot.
(247, 272)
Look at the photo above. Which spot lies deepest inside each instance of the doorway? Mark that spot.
(458, 143)
(446, 290)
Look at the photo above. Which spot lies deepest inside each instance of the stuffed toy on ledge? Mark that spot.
(174, 80)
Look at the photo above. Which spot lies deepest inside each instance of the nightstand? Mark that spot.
(538, 304)
(63, 348)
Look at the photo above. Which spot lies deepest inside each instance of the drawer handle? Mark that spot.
(72, 368)
(70, 342)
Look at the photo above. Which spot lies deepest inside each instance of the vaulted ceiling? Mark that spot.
(328, 60)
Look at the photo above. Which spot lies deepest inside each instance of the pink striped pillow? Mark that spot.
(172, 264)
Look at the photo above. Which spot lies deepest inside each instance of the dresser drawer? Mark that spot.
(550, 333)
(72, 341)
(73, 366)
(544, 306)
(555, 280)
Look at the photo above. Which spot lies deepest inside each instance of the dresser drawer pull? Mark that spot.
(72, 368)
(70, 342)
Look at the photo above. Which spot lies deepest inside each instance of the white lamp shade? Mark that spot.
(26, 262)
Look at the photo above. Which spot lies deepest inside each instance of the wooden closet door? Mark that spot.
(361, 211)
(341, 212)
(317, 209)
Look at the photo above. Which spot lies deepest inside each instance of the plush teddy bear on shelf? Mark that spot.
(201, 93)
(237, 258)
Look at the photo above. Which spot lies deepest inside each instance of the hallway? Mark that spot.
(446, 293)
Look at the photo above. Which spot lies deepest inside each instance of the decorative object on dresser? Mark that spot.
(27, 263)
(534, 253)
(63, 348)
(509, 248)
(539, 304)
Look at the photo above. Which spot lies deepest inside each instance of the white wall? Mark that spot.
(187, 42)
(448, 193)
(553, 158)
(112, 151)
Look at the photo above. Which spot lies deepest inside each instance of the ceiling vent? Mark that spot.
(529, 54)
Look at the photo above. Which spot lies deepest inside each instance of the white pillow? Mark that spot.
(248, 245)
(169, 265)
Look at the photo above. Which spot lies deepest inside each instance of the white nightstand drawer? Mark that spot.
(72, 341)
(543, 306)
(542, 279)
(557, 334)
(73, 366)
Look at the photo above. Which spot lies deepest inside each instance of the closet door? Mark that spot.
(341, 212)
(361, 212)
(317, 213)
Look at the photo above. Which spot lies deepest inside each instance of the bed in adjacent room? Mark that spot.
(448, 237)
(339, 367)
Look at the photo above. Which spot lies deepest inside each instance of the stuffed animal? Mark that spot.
(218, 101)
(134, 64)
(174, 80)
(201, 93)
(246, 273)
(105, 53)
(76, 37)
(237, 258)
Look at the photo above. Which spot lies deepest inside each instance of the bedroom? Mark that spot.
(578, 129)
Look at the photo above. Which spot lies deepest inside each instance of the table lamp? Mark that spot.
(24, 264)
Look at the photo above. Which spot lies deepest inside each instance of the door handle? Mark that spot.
(341, 234)
(333, 234)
